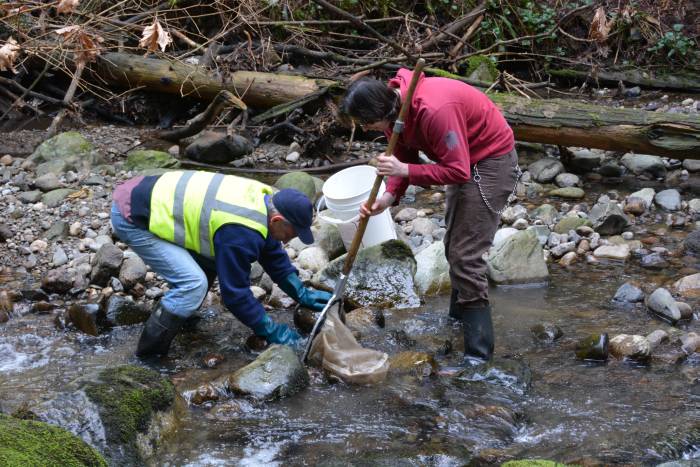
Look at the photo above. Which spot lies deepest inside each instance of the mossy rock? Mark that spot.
(55, 197)
(532, 463)
(143, 159)
(68, 145)
(570, 192)
(481, 68)
(570, 223)
(299, 181)
(127, 398)
(25, 443)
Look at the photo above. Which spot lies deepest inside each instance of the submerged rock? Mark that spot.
(277, 372)
(34, 443)
(518, 260)
(593, 347)
(417, 364)
(608, 219)
(663, 304)
(382, 276)
(546, 332)
(628, 293)
(630, 346)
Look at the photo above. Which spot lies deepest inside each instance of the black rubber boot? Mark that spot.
(454, 312)
(478, 333)
(158, 332)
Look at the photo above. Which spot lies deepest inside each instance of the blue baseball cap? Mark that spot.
(297, 210)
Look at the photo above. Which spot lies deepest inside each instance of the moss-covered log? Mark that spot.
(689, 82)
(573, 123)
(173, 77)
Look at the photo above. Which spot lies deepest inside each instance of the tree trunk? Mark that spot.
(679, 80)
(556, 121)
(572, 123)
(255, 89)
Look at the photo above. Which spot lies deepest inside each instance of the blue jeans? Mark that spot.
(188, 280)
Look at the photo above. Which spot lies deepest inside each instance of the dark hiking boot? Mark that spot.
(478, 333)
(158, 332)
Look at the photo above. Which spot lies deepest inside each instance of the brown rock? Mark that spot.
(212, 360)
(204, 393)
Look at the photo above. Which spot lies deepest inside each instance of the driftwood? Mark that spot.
(679, 81)
(564, 122)
(201, 121)
(173, 77)
(571, 123)
(326, 169)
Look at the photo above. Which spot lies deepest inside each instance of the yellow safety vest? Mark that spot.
(187, 207)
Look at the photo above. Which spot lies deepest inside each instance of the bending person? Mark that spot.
(191, 227)
(473, 148)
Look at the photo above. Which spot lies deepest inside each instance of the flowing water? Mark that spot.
(537, 401)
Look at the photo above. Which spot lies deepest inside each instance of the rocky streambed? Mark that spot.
(596, 325)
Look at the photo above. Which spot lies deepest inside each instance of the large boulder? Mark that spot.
(433, 272)
(644, 164)
(300, 181)
(584, 160)
(518, 260)
(131, 401)
(608, 218)
(276, 373)
(218, 148)
(35, 443)
(144, 159)
(382, 276)
(545, 169)
(65, 151)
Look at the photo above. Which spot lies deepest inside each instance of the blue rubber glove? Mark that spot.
(275, 333)
(309, 298)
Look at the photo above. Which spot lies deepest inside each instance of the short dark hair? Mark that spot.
(368, 100)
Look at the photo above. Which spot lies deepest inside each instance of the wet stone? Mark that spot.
(277, 372)
(212, 360)
(593, 347)
(417, 364)
(202, 395)
(304, 319)
(628, 293)
(58, 280)
(663, 304)
(5, 232)
(85, 317)
(546, 332)
(657, 337)
(255, 343)
(654, 261)
(120, 311)
(691, 243)
(630, 347)
(106, 264)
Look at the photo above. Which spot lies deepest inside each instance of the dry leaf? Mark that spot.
(155, 36)
(600, 26)
(88, 45)
(67, 6)
(8, 54)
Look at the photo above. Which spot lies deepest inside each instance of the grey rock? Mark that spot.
(546, 332)
(568, 192)
(608, 218)
(584, 160)
(545, 169)
(610, 168)
(518, 260)
(423, 226)
(59, 257)
(86, 317)
(75, 413)
(691, 244)
(30, 197)
(564, 180)
(120, 311)
(653, 261)
(132, 271)
(670, 200)
(628, 293)
(55, 197)
(432, 273)
(58, 280)
(663, 304)
(406, 214)
(48, 182)
(218, 148)
(546, 213)
(644, 164)
(657, 337)
(5, 232)
(276, 373)
(382, 276)
(106, 264)
(691, 165)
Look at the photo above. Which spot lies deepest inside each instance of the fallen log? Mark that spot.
(557, 121)
(173, 77)
(687, 82)
(572, 123)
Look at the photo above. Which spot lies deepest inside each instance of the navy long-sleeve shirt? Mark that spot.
(236, 248)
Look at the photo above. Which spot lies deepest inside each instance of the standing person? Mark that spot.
(191, 227)
(473, 148)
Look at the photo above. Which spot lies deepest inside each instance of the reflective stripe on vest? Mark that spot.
(188, 207)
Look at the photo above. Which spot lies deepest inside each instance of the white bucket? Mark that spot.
(343, 194)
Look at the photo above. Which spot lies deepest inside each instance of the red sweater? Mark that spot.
(454, 124)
